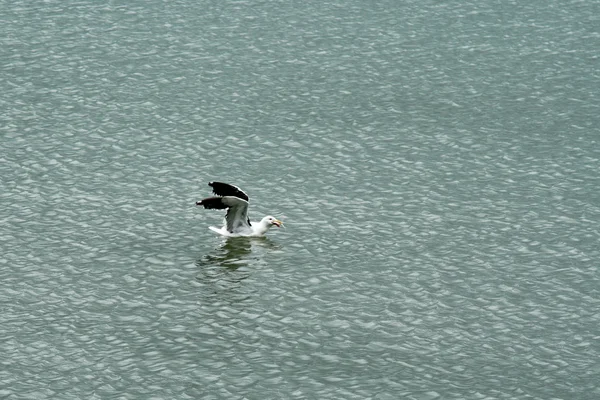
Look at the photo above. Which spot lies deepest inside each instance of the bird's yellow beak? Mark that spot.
(278, 223)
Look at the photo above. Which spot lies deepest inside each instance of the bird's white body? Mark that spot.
(255, 229)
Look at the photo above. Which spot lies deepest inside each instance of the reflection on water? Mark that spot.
(226, 266)
(237, 252)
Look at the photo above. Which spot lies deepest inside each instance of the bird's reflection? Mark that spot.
(236, 252)
(227, 263)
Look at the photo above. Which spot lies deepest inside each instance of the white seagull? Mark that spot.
(237, 223)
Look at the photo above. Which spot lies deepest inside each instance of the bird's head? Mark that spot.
(272, 221)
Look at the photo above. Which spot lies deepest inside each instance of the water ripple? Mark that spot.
(435, 164)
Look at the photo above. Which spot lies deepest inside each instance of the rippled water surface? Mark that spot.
(436, 165)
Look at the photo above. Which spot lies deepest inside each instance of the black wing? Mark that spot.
(212, 202)
(237, 210)
(225, 189)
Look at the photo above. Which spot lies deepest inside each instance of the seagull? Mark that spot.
(237, 223)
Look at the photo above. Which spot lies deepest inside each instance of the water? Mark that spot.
(436, 165)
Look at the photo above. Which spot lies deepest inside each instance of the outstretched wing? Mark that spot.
(225, 189)
(237, 211)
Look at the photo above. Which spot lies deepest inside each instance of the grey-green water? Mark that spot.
(436, 164)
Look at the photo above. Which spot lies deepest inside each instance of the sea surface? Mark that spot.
(436, 164)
